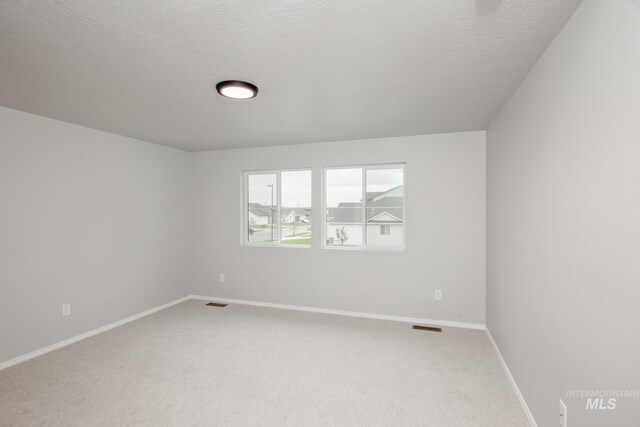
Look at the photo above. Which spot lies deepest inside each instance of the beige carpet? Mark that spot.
(196, 365)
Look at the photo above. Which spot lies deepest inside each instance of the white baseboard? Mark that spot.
(77, 338)
(52, 347)
(527, 412)
(443, 323)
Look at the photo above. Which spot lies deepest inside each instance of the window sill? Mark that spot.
(258, 245)
(366, 248)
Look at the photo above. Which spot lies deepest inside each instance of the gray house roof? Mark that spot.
(351, 212)
(260, 210)
(374, 194)
(296, 211)
(386, 216)
(390, 205)
(345, 215)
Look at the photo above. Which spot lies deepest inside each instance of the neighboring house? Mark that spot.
(384, 219)
(291, 215)
(259, 214)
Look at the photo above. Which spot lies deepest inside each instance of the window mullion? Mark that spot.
(323, 206)
(364, 207)
(247, 216)
(278, 208)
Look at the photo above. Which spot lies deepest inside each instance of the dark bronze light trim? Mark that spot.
(237, 83)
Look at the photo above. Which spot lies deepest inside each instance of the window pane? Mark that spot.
(261, 209)
(344, 234)
(344, 207)
(296, 207)
(384, 207)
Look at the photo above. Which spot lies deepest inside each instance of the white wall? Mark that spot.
(563, 297)
(86, 217)
(110, 224)
(445, 232)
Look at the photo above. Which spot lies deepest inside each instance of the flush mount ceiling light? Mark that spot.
(236, 89)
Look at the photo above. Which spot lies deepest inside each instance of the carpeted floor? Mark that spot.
(196, 365)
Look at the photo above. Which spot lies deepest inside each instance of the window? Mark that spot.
(278, 208)
(364, 207)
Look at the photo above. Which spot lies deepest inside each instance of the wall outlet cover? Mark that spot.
(563, 414)
(66, 309)
(222, 278)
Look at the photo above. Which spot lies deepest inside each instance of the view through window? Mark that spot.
(364, 206)
(278, 208)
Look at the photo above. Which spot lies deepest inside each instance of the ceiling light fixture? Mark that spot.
(236, 89)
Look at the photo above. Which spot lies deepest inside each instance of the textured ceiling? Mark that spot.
(327, 70)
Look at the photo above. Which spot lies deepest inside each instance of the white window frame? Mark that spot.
(244, 217)
(364, 246)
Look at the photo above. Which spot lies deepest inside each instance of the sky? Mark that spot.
(296, 189)
(345, 185)
(342, 185)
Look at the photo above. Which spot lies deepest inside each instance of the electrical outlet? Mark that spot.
(438, 294)
(66, 309)
(222, 278)
(563, 414)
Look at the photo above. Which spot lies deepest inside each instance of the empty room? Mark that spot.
(320, 213)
